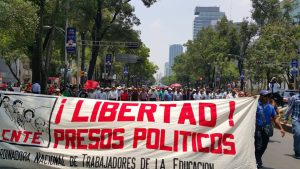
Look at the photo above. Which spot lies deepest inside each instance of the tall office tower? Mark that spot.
(167, 69)
(206, 16)
(295, 13)
(174, 51)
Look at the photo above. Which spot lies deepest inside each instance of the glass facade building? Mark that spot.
(206, 16)
(174, 50)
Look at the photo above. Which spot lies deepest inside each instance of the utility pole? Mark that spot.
(66, 54)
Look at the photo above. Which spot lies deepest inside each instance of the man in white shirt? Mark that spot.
(102, 94)
(113, 95)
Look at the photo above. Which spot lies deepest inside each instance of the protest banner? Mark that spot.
(39, 131)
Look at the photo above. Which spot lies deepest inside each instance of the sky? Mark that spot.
(170, 22)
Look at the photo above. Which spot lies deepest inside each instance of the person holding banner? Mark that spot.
(294, 111)
(264, 129)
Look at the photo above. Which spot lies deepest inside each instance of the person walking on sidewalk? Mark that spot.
(264, 129)
(294, 110)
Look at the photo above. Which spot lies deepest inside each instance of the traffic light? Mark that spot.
(81, 73)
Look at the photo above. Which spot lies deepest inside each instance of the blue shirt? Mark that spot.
(36, 88)
(293, 108)
(168, 97)
(268, 111)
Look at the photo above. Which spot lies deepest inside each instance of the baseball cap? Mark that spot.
(264, 92)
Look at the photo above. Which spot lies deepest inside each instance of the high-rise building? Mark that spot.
(174, 51)
(167, 69)
(206, 16)
(295, 13)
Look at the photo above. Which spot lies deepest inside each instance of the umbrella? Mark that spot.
(175, 85)
(91, 84)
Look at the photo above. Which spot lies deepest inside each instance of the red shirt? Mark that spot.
(124, 97)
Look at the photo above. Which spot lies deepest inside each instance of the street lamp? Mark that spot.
(241, 68)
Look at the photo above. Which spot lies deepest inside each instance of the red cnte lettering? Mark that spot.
(36, 138)
(15, 136)
(4, 131)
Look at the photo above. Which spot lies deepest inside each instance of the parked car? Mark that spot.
(287, 95)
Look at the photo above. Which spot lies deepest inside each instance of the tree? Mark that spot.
(17, 25)
(120, 12)
(266, 11)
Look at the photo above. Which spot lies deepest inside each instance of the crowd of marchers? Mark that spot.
(135, 93)
(153, 94)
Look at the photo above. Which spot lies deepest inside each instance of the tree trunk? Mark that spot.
(47, 55)
(12, 72)
(38, 50)
(96, 37)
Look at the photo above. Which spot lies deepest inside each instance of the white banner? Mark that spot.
(39, 131)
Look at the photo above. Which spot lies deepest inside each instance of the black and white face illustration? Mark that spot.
(40, 124)
(28, 115)
(17, 106)
(5, 101)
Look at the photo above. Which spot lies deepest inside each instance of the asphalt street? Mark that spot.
(280, 154)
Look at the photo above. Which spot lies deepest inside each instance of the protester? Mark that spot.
(153, 95)
(103, 94)
(113, 95)
(124, 95)
(293, 110)
(36, 88)
(275, 89)
(178, 95)
(168, 96)
(135, 95)
(264, 129)
(143, 96)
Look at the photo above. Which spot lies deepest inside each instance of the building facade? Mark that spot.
(167, 73)
(295, 14)
(174, 51)
(206, 16)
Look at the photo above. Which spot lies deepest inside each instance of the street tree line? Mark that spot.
(227, 51)
(35, 29)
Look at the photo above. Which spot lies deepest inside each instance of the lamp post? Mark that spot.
(241, 68)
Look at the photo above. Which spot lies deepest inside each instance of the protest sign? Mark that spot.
(39, 131)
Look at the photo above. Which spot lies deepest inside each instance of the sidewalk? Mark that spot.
(279, 154)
